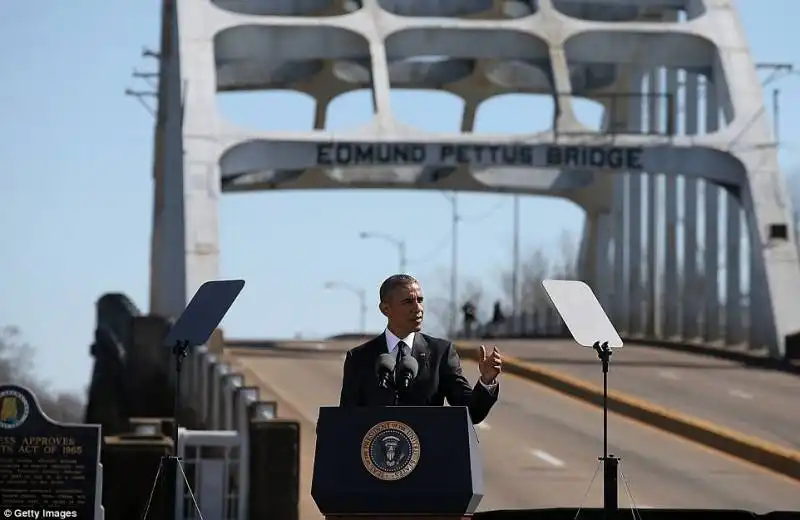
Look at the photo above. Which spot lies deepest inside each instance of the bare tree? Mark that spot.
(567, 264)
(532, 271)
(793, 180)
(16, 367)
(439, 308)
(538, 266)
(16, 358)
(794, 195)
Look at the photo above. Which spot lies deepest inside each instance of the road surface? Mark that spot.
(540, 448)
(758, 402)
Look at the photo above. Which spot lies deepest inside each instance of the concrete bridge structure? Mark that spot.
(688, 235)
(688, 238)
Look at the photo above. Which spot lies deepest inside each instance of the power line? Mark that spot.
(440, 246)
(486, 214)
(442, 242)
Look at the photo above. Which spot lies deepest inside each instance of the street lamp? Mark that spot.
(399, 244)
(515, 292)
(453, 199)
(362, 299)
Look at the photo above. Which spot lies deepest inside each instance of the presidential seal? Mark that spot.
(14, 409)
(390, 450)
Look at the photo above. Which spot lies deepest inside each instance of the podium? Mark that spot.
(398, 461)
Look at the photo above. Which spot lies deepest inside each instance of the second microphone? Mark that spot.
(396, 376)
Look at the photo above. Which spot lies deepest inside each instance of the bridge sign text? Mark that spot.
(343, 154)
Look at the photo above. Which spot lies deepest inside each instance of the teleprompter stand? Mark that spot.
(610, 462)
(584, 317)
(192, 329)
(170, 465)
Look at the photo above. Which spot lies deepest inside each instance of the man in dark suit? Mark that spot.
(440, 375)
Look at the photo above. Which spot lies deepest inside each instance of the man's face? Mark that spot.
(404, 309)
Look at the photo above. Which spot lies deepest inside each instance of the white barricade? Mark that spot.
(215, 469)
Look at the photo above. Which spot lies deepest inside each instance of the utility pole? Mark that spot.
(143, 95)
(361, 294)
(454, 267)
(147, 76)
(778, 71)
(147, 53)
(515, 292)
(398, 243)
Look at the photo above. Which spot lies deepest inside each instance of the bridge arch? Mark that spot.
(684, 144)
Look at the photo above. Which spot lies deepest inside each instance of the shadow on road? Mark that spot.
(746, 359)
(592, 360)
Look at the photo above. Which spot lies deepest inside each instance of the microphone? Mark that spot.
(385, 367)
(406, 373)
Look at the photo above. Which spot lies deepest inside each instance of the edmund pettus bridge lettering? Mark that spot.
(614, 158)
(511, 155)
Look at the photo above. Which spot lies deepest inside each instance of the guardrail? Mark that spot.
(236, 417)
(543, 323)
(108, 402)
(228, 424)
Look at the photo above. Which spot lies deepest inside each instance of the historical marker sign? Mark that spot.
(45, 466)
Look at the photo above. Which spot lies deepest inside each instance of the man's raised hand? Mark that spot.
(490, 364)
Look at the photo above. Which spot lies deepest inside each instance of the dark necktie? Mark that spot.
(402, 351)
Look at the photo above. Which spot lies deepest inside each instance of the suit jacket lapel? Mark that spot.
(380, 345)
(421, 351)
(379, 397)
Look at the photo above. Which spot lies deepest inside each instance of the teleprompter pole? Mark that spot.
(610, 462)
(171, 465)
(180, 350)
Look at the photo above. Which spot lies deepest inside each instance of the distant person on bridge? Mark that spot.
(470, 317)
(498, 319)
(440, 375)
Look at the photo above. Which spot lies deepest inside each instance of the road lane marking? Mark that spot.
(642, 414)
(666, 374)
(738, 393)
(546, 457)
(483, 426)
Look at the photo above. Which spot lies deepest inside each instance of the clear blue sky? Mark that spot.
(75, 209)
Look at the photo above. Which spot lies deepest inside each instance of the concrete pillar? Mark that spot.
(711, 261)
(690, 296)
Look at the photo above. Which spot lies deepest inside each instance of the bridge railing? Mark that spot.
(541, 323)
(231, 436)
(108, 402)
(238, 422)
(546, 323)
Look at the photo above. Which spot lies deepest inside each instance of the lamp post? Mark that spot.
(452, 198)
(362, 300)
(398, 243)
(515, 292)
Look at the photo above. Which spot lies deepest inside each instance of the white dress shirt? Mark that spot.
(391, 344)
